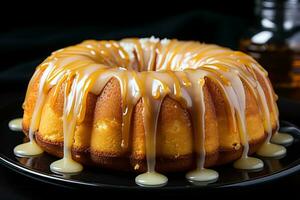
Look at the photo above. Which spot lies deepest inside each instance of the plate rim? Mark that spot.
(53, 179)
(60, 181)
(15, 166)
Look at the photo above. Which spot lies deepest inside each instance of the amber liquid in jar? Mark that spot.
(275, 44)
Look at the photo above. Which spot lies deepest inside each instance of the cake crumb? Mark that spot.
(136, 167)
(236, 146)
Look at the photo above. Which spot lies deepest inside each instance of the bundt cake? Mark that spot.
(150, 105)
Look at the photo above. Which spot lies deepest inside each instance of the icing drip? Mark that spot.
(239, 102)
(15, 124)
(248, 163)
(31, 148)
(75, 93)
(271, 150)
(268, 149)
(202, 175)
(282, 138)
(151, 179)
(130, 96)
(198, 116)
(152, 100)
(28, 149)
(234, 90)
(150, 70)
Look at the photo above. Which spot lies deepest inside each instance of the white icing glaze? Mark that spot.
(28, 149)
(202, 175)
(282, 138)
(248, 163)
(271, 150)
(15, 124)
(151, 179)
(66, 166)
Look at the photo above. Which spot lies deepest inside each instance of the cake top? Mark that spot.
(153, 54)
(148, 64)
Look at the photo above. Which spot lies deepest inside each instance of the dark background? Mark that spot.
(30, 32)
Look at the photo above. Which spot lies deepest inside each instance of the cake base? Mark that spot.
(127, 162)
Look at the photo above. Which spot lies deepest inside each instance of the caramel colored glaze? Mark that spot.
(150, 104)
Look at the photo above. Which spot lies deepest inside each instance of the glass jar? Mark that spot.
(275, 43)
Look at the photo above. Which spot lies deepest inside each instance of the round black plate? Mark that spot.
(38, 167)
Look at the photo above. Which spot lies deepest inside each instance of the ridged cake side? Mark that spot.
(98, 138)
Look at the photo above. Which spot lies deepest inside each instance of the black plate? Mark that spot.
(38, 167)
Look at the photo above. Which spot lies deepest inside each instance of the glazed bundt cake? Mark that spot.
(150, 105)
